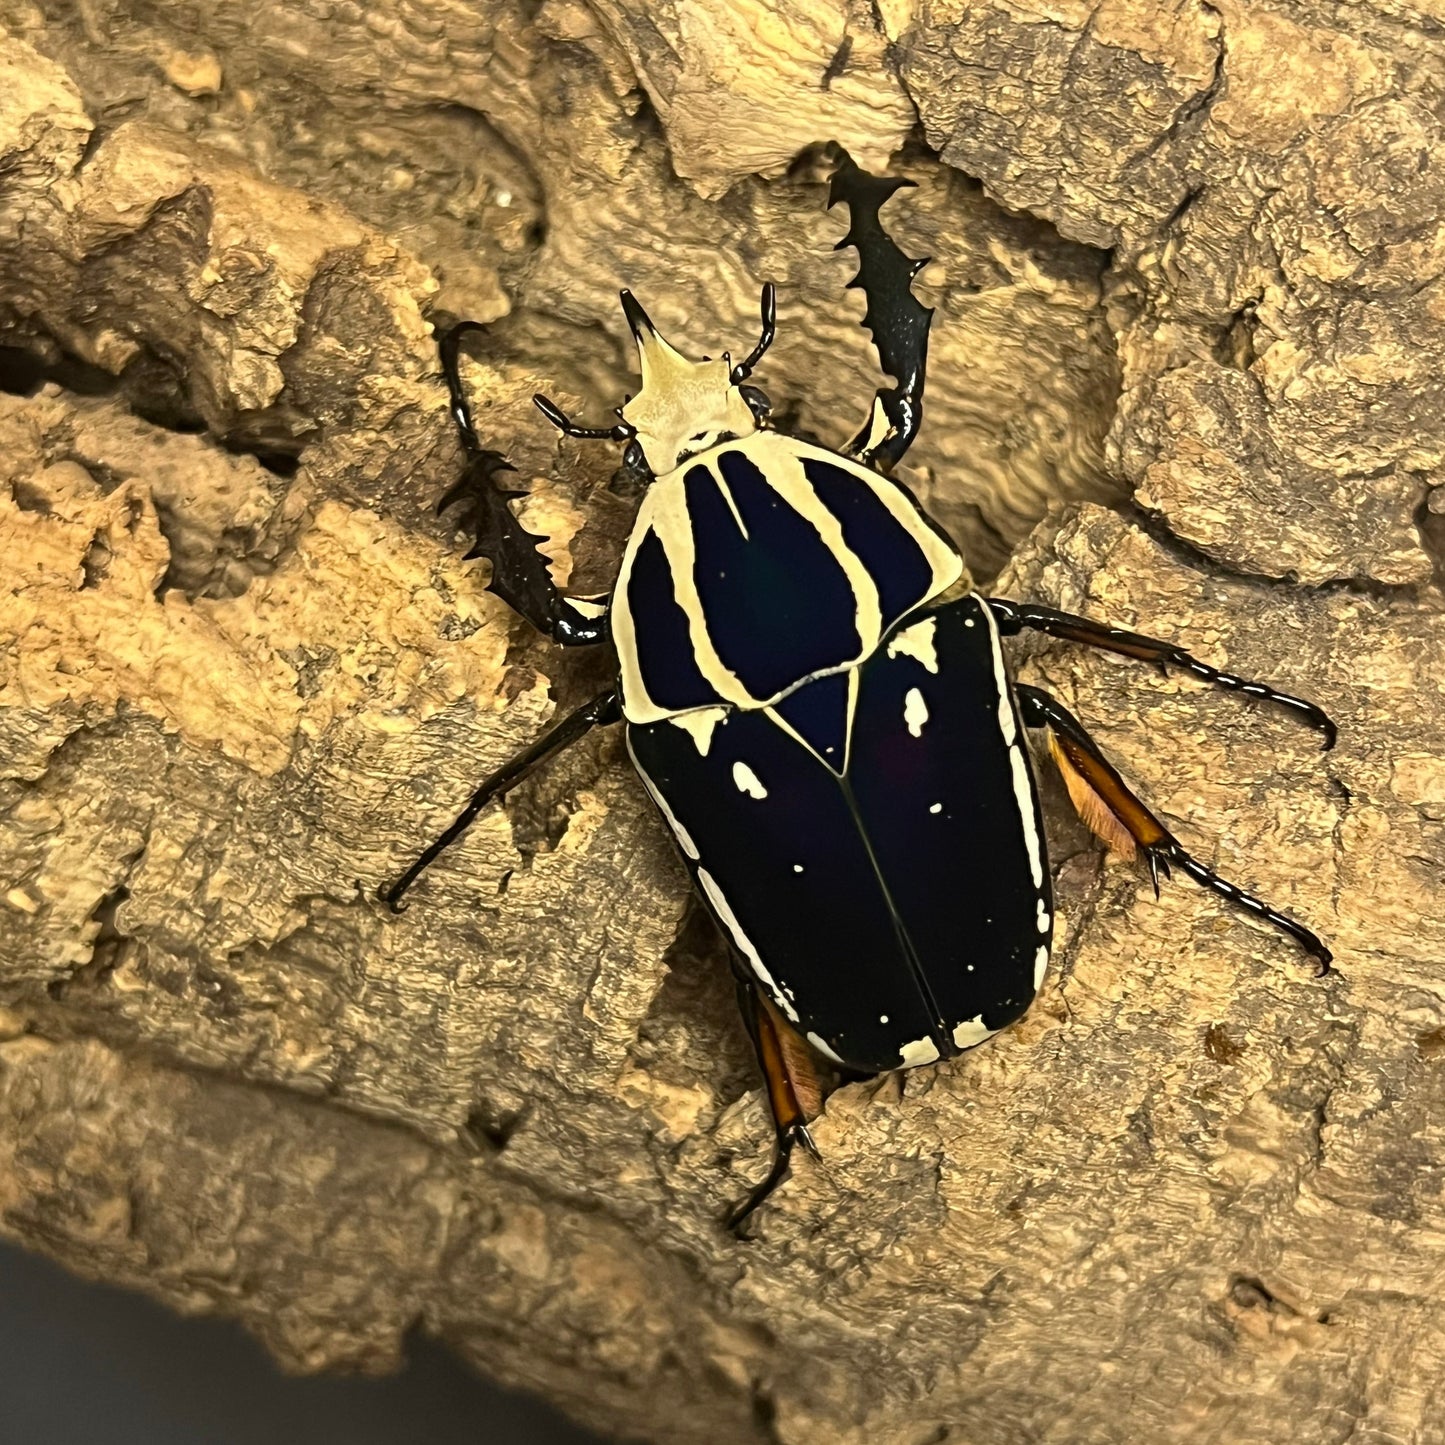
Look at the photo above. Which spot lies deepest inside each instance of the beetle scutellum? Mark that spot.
(822, 716)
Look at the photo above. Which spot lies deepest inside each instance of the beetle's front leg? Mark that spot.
(520, 576)
(1013, 617)
(897, 319)
(1115, 814)
(794, 1092)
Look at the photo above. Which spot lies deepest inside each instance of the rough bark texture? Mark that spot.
(1187, 370)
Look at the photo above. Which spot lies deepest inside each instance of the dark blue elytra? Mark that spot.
(893, 906)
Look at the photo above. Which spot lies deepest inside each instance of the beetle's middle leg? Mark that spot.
(1110, 808)
(794, 1092)
(600, 711)
(1013, 617)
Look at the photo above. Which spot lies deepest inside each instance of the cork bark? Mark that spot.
(1186, 377)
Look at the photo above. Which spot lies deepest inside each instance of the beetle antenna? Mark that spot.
(744, 368)
(622, 432)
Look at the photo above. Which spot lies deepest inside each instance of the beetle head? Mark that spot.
(684, 407)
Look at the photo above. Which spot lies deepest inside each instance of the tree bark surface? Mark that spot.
(1188, 376)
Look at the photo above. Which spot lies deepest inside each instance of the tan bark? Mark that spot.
(1195, 1195)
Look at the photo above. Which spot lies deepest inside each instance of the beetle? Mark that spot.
(821, 710)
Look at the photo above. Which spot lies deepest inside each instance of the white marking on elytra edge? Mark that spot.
(915, 711)
(748, 781)
(972, 1032)
(1043, 917)
(728, 918)
(936, 808)
(1023, 792)
(1023, 786)
(823, 1048)
(917, 642)
(699, 724)
(1041, 964)
(683, 837)
(920, 1051)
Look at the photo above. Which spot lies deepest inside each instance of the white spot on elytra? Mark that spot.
(936, 808)
(971, 1032)
(823, 1048)
(917, 642)
(1041, 963)
(797, 867)
(882, 1018)
(729, 921)
(748, 781)
(1044, 919)
(920, 1051)
(915, 711)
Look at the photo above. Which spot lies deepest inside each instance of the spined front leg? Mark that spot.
(520, 576)
(897, 319)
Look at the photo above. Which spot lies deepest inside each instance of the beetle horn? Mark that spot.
(663, 365)
(641, 323)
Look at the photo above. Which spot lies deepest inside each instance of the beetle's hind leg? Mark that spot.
(896, 318)
(794, 1092)
(1115, 814)
(1013, 617)
(601, 710)
(520, 576)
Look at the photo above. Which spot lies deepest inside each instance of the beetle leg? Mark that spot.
(1013, 617)
(794, 1092)
(600, 711)
(520, 576)
(1089, 774)
(896, 318)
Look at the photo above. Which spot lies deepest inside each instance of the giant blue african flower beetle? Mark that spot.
(822, 712)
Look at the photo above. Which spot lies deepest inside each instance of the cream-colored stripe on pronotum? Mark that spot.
(943, 559)
(780, 460)
(664, 511)
(727, 496)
